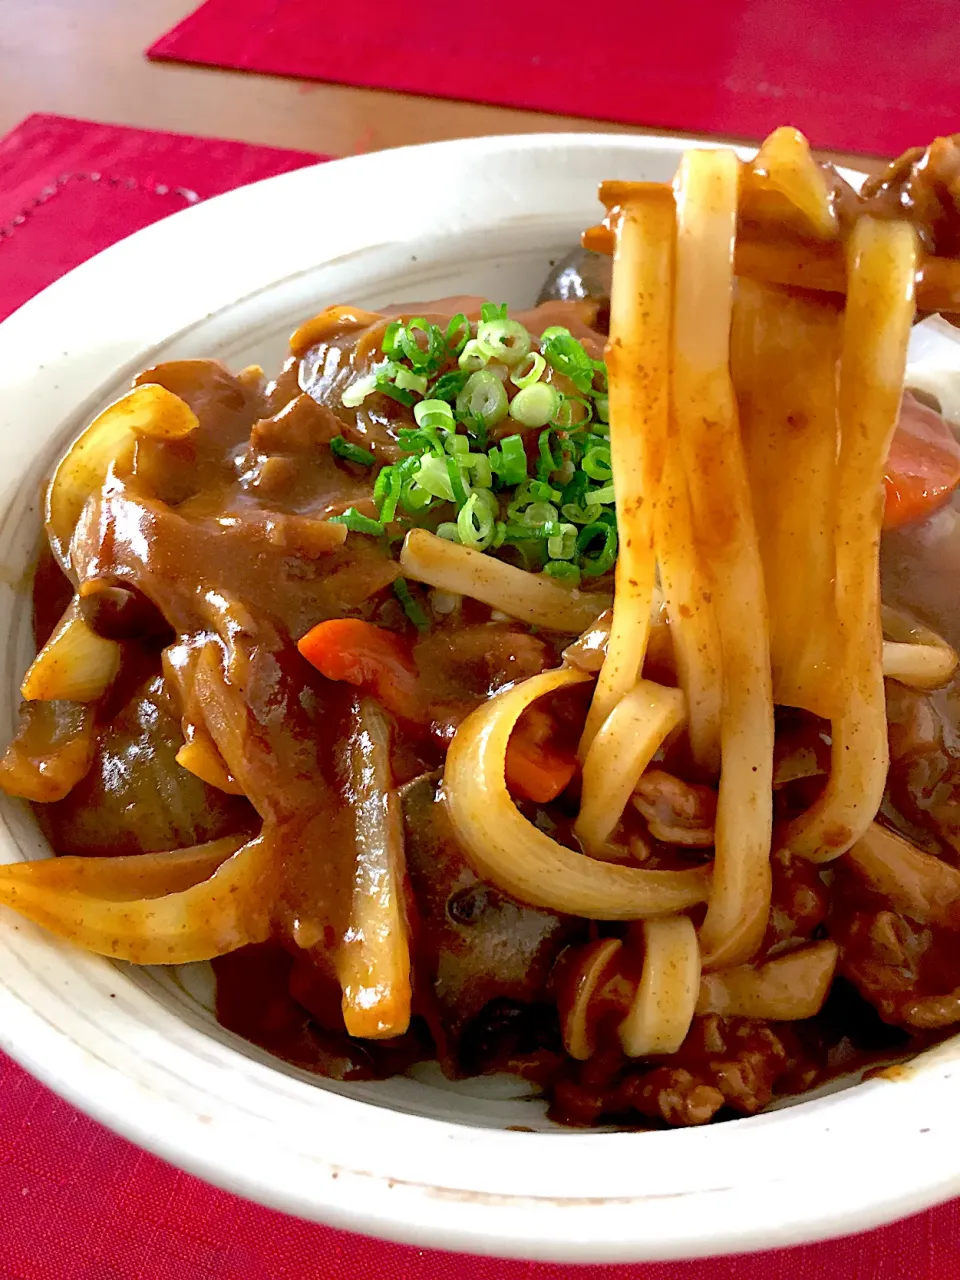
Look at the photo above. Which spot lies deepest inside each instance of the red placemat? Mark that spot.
(69, 188)
(871, 78)
(78, 1203)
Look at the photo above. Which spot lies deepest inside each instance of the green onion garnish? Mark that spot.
(601, 405)
(535, 405)
(391, 340)
(596, 462)
(449, 385)
(473, 357)
(493, 311)
(401, 589)
(423, 344)
(563, 571)
(595, 563)
(529, 370)
(356, 522)
(458, 334)
(408, 381)
(436, 414)
(504, 340)
(509, 461)
(386, 493)
(475, 523)
(483, 397)
(564, 353)
(355, 394)
(341, 448)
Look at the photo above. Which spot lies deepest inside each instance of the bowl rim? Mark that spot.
(817, 1170)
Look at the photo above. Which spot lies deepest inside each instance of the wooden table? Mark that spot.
(85, 58)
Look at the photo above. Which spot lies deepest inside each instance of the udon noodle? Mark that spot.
(316, 684)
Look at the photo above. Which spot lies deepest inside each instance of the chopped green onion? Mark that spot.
(535, 405)
(588, 514)
(449, 531)
(550, 461)
(385, 385)
(540, 513)
(505, 340)
(475, 524)
(540, 491)
(424, 357)
(355, 394)
(386, 493)
(473, 357)
(479, 464)
(566, 412)
(449, 385)
(433, 476)
(568, 356)
(602, 406)
(529, 370)
(563, 571)
(414, 498)
(493, 311)
(458, 334)
(410, 381)
(600, 561)
(391, 340)
(456, 482)
(563, 545)
(600, 367)
(483, 396)
(596, 462)
(401, 589)
(434, 413)
(605, 495)
(341, 448)
(356, 522)
(414, 440)
(509, 461)
(459, 446)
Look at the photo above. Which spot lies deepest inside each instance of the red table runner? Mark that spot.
(871, 78)
(78, 1203)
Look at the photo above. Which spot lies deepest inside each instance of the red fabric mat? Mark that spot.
(871, 78)
(69, 188)
(76, 1202)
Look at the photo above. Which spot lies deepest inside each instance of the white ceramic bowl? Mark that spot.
(414, 1159)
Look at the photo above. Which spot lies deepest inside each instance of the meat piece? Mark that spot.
(923, 185)
(676, 812)
(473, 944)
(460, 668)
(799, 903)
(738, 1063)
(135, 797)
(924, 781)
(674, 1095)
(909, 972)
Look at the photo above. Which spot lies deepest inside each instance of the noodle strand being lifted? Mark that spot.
(706, 414)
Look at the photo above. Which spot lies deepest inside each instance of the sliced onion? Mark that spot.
(53, 749)
(91, 902)
(531, 597)
(923, 887)
(149, 410)
(785, 989)
(626, 743)
(373, 961)
(200, 757)
(520, 858)
(75, 665)
(666, 997)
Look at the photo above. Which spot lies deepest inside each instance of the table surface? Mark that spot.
(85, 58)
